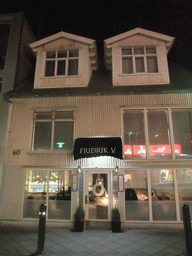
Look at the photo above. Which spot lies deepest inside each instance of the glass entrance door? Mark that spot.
(96, 196)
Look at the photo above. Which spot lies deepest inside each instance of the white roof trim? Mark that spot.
(59, 35)
(168, 39)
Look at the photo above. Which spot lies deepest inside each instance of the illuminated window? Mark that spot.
(157, 133)
(52, 187)
(139, 60)
(53, 131)
(62, 63)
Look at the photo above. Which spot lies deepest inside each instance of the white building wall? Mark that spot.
(12, 193)
(94, 116)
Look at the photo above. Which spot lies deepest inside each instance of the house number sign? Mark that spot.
(16, 152)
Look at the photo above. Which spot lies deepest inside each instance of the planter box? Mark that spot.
(116, 226)
(79, 226)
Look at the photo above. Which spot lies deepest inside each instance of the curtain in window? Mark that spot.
(139, 62)
(127, 64)
(152, 64)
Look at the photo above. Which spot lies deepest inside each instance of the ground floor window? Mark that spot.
(157, 195)
(136, 195)
(163, 195)
(52, 187)
(184, 179)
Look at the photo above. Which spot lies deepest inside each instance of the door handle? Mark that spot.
(86, 199)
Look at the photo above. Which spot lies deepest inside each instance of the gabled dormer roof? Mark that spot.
(139, 31)
(71, 37)
(49, 39)
(137, 35)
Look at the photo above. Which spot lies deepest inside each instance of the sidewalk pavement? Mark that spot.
(21, 239)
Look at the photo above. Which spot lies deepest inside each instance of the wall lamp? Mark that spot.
(79, 169)
(116, 169)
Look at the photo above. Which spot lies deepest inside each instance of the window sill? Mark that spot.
(60, 77)
(142, 74)
(49, 152)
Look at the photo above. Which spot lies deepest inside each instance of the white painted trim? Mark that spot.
(167, 39)
(59, 35)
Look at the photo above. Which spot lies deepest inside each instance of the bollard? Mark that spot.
(41, 231)
(187, 228)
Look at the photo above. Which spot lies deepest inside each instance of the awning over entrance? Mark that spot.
(92, 147)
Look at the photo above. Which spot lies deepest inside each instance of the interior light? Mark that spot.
(60, 144)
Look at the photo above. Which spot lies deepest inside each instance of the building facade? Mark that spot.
(101, 138)
(16, 65)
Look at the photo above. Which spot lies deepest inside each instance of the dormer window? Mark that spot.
(62, 63)
(139, 60)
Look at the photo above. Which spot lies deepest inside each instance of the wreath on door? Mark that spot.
(98, 189)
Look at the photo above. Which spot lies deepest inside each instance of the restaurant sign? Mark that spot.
(153, 149)
(93, 147)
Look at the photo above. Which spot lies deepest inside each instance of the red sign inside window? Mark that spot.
(153, 149)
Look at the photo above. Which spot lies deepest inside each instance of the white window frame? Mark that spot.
(48, 170)
(134, 56)
(170, 126)
(56, 59)
(53, 119)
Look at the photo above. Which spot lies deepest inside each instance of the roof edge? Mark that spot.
(59, 35)
(168, 39)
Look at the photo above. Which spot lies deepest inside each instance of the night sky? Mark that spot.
(100, 20)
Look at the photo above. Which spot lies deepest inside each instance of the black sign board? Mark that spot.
(92, 147)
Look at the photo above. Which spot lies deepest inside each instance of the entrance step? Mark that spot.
(97, 225)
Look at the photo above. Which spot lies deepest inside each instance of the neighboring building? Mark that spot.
(16, 65)
(101, 137)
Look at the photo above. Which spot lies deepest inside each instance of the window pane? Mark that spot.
(184, 178)
(139, 62)
(74, 53)
(73, 67)
(127, 64)
(50, 68)
(138, 50)
(59, 204)
(163, 196)
(50, 55)
(61, 67)
(63, 135)
(127, 51)
(35, 192)
(42, 136)
(151, 50)
(62, 54)
(152, 64)
(136, 195)
(43, 115)
(134, 140)
(182, 130)
(159, 141)
(63, 114)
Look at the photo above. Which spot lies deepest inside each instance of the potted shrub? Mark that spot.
(79, 219)
(115, 220)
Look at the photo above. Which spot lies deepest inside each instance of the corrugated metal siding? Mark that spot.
(95, 116)
(12, 193)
